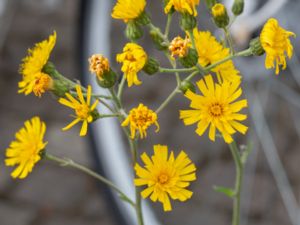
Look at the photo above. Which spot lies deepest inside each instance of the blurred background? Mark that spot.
(53, 195)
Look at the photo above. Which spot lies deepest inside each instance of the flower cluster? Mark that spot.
(216, 105)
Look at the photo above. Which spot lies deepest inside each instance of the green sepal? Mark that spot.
(158, 41)
(109, 78)
(143, 19)
(187, 21)
(133, 31)
(151, 67)
(187, 85)
(256, 47)
(190, 60)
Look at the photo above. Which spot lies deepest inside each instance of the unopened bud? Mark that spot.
(220, 15)
(237, 7)
(151, 67)
(187, 22)
(256, 47)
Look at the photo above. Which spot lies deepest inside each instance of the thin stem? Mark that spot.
(192, 75)
(229, 40)
(70, 163)
(246, 52)
(238, 183)
(138, 199)
(121, 87)
(115, 98)
(170, 70)
(168, 25)
(93, 95)
(109, 115)
(159, 33)
(168, 99)
(174, 65)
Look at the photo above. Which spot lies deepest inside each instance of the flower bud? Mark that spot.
(133, 31)
(151, 66)
(143, 19)
(256, 47)
(220, 15)
(237, 7)
(99, 65)
(158, 41)
(190, 60)
(187, 85)
(187, 22)
(210, 3)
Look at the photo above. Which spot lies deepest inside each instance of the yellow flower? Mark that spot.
(180, 46)
(165, 177)
(134, 59)
(34, 80)
(26, 149)
(140, 118)
(275, 41)
(183, 6)
(218, 10)
(98, 65)
(216, 107)
(83, 109)
(211, 51)
(128, 9)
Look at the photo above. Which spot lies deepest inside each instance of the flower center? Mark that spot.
(163, 178)
(82, 111)
(42, 84)
(216, 110)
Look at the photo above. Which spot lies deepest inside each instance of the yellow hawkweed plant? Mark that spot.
(198, 68)
(128, 9)
(26, 150)
(183, 6)
(134, 59)
(276, 43)
(33, 79)
(216, 108)
(83, 109)
(211, 51)
(140, 118)
(165, 176)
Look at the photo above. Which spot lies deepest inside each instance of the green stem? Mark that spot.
(115, 98)
(170, 70)
(93, 95)
(109, 115)
(168, 25)
(246, 52)
(138, 199)
(192, 75)
(159, 33)
(238, 183)
(229, 40)
(121, 88)
(72, 164)
(168, 99)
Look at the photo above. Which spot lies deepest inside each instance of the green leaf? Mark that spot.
(226, 191)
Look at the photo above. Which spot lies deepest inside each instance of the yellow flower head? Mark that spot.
(99, 65)
(34, 80)
(275, 41)
(26, 149)
(128, 9)
(140, 118)
(218, 10)
(211, 51)
(82, 108)
(183, 6)
(134, 59)
(216, 107)
(165, 177)
(179, 46)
